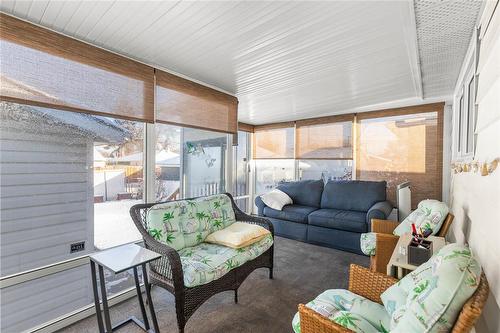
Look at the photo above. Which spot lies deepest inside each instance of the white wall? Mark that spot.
(475, 199)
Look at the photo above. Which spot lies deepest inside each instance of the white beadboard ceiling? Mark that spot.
(284, 60)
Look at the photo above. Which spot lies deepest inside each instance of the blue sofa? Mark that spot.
(334, 214)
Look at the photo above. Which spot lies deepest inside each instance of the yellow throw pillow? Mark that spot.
(238, 235)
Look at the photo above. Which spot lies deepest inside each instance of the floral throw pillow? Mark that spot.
(429, 214)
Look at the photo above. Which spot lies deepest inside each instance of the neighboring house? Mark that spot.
(47, 198)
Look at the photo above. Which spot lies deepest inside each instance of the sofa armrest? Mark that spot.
(381, 210)
(260, 205)
(368, 284)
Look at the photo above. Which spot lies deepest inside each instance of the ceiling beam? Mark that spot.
(410, 31)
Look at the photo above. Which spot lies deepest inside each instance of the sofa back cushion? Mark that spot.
(430, 214)
(304, 192)
(185, 223)
(353, 194)
(430, 298)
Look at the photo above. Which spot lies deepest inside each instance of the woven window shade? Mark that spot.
(402, 145)
(246, 127)
(40, 67)
(274, 141)
(325, 138)
(186, 103)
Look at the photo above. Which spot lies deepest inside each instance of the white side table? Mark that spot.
(117, 260)
(398, 263)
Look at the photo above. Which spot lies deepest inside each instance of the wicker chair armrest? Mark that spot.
(368, 284)
(169, 265)
(384, 248)
(384, 226)
(473, 308)
(313, 322)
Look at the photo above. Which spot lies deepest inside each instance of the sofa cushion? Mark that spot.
(353, 194)
(348, 310)
(430, 214)
(276, 199)
(294, 213)
(435, 292)
(339, 219)
(304, 192)
(185, 223)
(206, 262)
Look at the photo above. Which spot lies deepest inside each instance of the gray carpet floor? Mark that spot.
(301, 272)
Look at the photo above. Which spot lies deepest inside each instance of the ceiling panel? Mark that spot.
(444, 29)
(284, 60)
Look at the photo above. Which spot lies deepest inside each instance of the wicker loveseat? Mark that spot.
(186, 255)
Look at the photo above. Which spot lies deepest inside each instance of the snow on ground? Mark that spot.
(113, 225)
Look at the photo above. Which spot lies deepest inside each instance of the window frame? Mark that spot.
(465, 117)
(465, 111)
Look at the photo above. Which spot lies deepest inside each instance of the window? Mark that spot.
(399, 148)
(325, 138)
(469, 137)
(241, 157)
(269, 173)
(204, 162)
(67, 178)
(168, 162)
(460, 122)
(274, 142)
(118, 180)
(465, 115)
(325, 169)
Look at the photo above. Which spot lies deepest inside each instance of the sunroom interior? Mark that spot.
(107, 105)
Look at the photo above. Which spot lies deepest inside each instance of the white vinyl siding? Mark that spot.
(46, 203)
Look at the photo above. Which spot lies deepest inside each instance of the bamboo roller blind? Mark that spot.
(44, 68)
(183, 102)
(325, 138)
(274, 141)
(401, 145)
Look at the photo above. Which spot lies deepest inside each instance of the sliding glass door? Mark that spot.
(241, 171)
(204, 162)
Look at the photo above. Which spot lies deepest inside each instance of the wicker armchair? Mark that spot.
(371, 285)
(167, 272)
(386, 241)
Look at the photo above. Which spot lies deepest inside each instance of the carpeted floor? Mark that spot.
(301, 272)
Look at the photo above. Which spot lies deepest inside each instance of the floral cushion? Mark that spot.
(206, 262)
(429, 214)
(435, 292)
(186, 223)
(368, 243)
(348, 310)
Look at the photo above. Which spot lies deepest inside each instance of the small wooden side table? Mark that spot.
(117, 260)
(398, 265)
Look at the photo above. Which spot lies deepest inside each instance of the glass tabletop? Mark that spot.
(124, 257)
